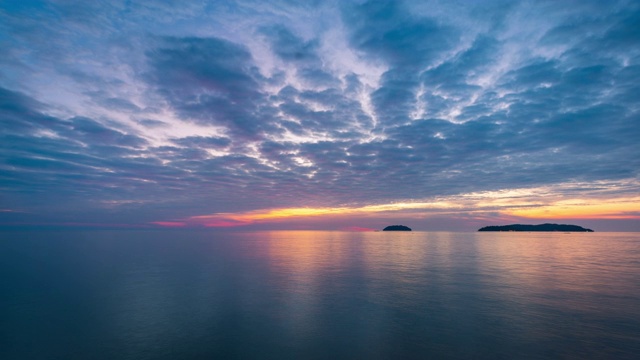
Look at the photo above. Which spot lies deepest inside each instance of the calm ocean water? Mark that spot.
(319, 295)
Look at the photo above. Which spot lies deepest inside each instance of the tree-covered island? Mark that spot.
(541, 227)
(397, 228)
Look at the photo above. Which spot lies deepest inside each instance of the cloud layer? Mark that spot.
(137, 113)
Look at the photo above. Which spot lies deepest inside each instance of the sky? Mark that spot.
(334, 115)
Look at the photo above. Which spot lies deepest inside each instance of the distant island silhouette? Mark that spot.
(541, 227)
(397, 228)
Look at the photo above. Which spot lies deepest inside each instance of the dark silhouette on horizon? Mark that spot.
(541, 227)
(397, 228)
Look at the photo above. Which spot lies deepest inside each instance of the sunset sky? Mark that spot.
(337, 115)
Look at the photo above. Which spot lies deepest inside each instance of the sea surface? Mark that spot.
(135, 294)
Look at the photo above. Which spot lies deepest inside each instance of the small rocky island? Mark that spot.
(397, 228)
(541, 227)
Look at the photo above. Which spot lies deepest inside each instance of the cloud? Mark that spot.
(209, 80)
(407, 44)
(526, 203)
(290, 48)
(149, 114)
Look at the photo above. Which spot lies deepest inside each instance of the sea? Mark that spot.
(200, 294)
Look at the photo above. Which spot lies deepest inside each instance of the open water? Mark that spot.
(318, 295)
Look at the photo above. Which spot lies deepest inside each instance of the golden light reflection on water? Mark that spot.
(401, 267)
(552, 266)
(395, 267)
(302, 263)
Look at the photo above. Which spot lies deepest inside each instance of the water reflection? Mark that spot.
(506, 292)
(297, 294)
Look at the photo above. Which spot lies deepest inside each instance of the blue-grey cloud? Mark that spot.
(290, 47)
(208, 80)
(139, 113)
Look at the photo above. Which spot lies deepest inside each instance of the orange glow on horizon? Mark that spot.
(532, 203)
(256, 216)
(583, 209)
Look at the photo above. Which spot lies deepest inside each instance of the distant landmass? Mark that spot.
(541, 227)
(397, 228)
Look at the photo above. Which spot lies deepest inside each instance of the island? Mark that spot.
(397, 228)
(541, 227)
